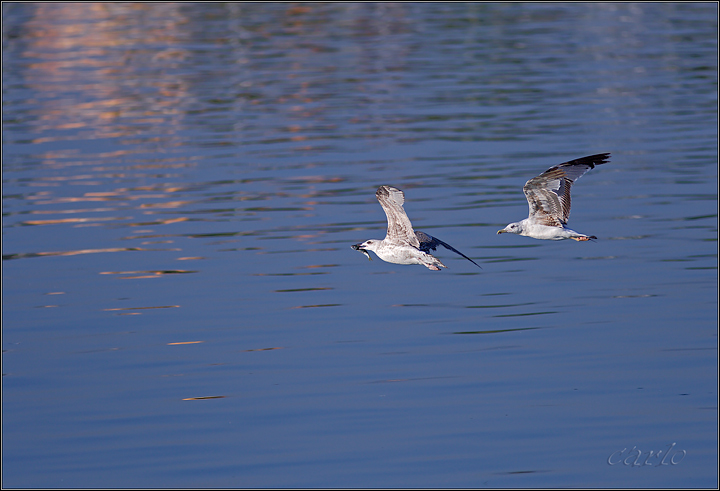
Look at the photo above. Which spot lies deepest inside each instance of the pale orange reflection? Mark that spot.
(97, 47)
(88, 64)
(75, 253)
(167, 204)
(71, 220)
(138, 275)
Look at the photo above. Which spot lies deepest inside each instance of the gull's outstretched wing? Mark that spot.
(399, 227)
(548, 194)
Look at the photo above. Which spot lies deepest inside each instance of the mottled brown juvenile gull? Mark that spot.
(548, 196)
(402, 245)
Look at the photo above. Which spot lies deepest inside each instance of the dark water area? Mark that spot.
(181, 187)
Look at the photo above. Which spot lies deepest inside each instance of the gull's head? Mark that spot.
(512, 228)
(368, 245)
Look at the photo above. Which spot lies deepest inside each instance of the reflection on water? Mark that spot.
(73, 253)
(249, 138)
(496, 331)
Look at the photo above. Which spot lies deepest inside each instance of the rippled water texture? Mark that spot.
(181, 187)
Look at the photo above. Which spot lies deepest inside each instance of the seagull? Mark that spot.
(403, 245)
(548, 196)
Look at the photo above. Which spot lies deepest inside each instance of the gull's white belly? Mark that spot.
(400, 254)
(548, 233)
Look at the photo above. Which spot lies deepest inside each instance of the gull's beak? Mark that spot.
(501, 231)
(358, 247)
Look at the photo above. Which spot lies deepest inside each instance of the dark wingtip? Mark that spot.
(448, 247)
(590, 160)
(600, 158)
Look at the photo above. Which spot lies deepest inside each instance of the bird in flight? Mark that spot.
(403, 245)
(548, 196)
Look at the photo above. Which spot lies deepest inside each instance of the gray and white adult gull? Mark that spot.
(548, 196)
(403, 245)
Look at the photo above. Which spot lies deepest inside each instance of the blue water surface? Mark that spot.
(182, 183)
